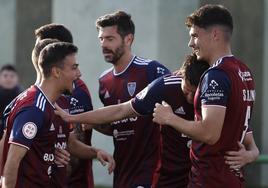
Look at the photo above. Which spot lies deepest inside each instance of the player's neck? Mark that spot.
(50, 90)
(123, 62)
(217, 54)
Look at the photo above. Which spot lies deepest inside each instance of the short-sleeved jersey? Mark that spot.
(175, 159)
(228, 84)
(136, 139)
(81, 174)
(29, 124)
(59, 173)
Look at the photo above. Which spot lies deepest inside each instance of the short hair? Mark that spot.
(120, 19)
(192, 69)
(53, 55)
(8, 67)
(54, 31)
(38, 48)
(209, 15)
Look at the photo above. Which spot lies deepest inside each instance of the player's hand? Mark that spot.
(162, 113)
(63, 114)
(237, 159)
(87, 126)
(105, 159)
(62, 157)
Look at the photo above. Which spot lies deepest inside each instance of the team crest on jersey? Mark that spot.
(131, 87)
(29, 130)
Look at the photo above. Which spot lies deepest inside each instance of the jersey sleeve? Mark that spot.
(144, 102)
(26, 126)
(215, 88)
(156, 70)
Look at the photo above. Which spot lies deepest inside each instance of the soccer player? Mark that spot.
(175, 161)
(80, 168)
(30, 134)
(136, 139)
(223, 101)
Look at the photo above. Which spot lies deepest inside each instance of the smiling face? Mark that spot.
(113, 46)
(68, 73)
(201, 42)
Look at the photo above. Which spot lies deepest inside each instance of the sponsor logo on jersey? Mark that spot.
(160, 70)
(131, 87)
(49, 171)
(126, 120)
(106, 95)
(213, 84)
(48, 157)
(180, 110)
(122, 135)
(73, 101)
(29, 130)
(52, 127)
(60, 133)
(142, 93)
(61, 145)
(245, 76)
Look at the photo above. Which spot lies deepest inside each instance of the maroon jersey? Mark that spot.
(136, 139)
(175, 158)
(229, 84)
(29, 124)
(80, 170)
(59, 173)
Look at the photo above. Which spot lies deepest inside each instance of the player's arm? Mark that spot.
(215, 83)
(2, 147)
(99, 116)
(83, 151)
(20, 141)
(105, 129)
(247, 153)
(212, 120)
(15, 154)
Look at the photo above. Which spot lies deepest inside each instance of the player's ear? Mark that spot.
(55, 72)
(129, 39)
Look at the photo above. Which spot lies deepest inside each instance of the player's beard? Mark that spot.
(116, 55)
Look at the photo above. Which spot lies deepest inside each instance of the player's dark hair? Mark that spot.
(192, 69)
(120, 19)
(209, 15)
(54, 31)
(38, 48)
(8, 67)
(53, 55)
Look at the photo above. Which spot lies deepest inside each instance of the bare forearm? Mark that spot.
(80, 149)
(104, 115)
(10, 175)
(194, 129)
